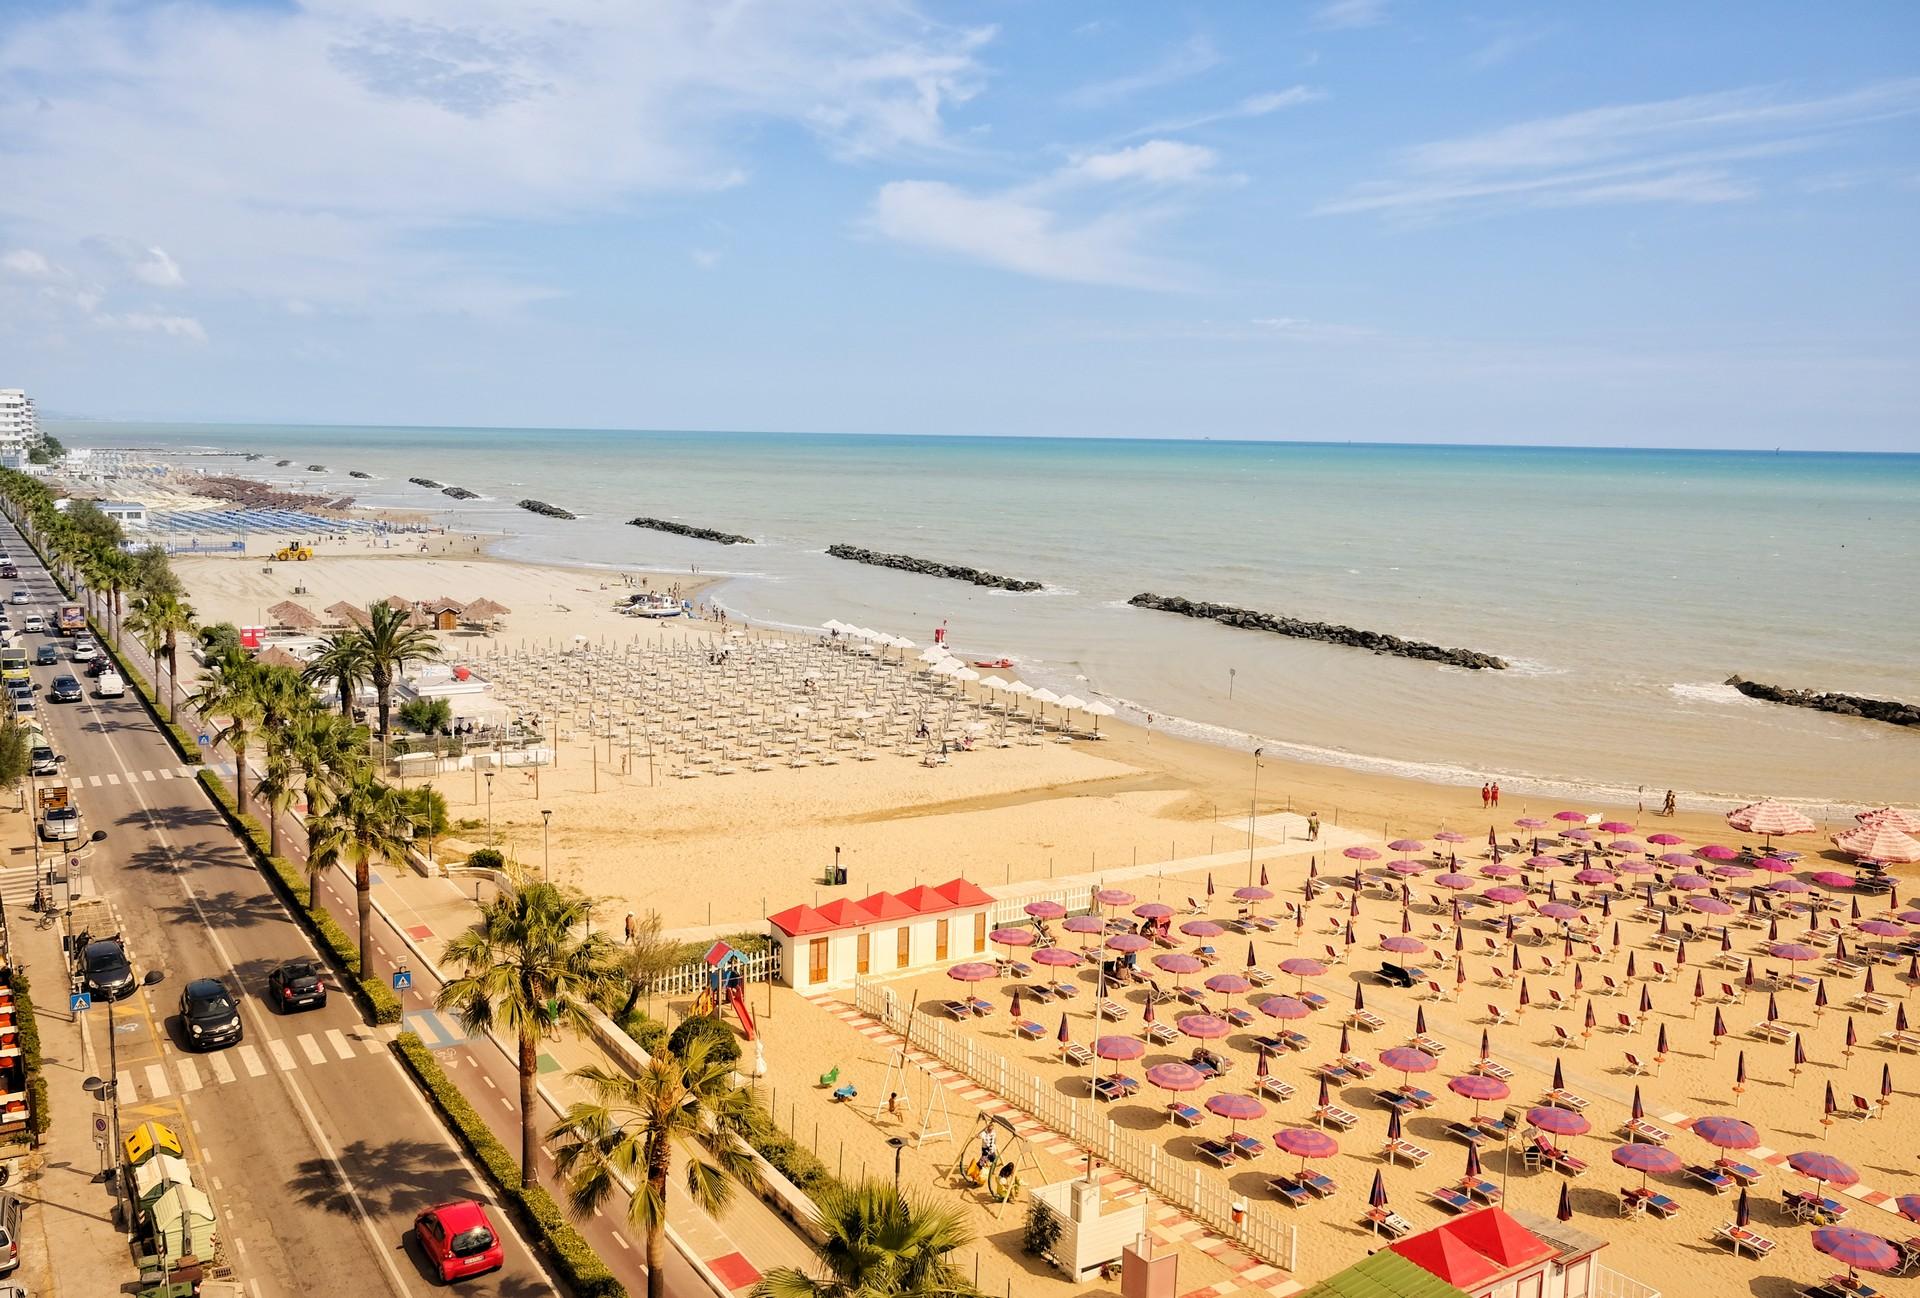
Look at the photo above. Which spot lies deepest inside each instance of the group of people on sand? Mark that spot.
(1489, 795)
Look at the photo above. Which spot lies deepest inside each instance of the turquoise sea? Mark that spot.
(1624, 585)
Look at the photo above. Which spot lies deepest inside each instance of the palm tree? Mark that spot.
(230, 691)
(284, 698)
(366, 822)
(118, 570)
(158, 619)
(632, 1126)
(390, 641)
(342, 663)
(328, 750)
(875, 1241)
(527, 966)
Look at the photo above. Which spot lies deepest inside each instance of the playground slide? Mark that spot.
(739, 1002)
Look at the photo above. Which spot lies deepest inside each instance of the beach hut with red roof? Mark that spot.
(1494, 1251)
(923, 927)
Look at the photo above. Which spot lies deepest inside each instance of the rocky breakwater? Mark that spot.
(1846, 705)
(459, 493)
(687, 529)
(428, 483)
(355, 473)
(1325, 632)
(542, 507)
(928, 568)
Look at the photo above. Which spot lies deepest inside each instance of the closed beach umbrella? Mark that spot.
(1565, 1211)
(1377, 1196)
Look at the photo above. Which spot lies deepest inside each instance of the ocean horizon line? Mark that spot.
(1078, 439)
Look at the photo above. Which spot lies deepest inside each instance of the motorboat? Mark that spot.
(654, 604)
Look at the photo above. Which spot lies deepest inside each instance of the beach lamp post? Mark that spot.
(108, 1088)
(546, 858)
(1253, 813)
(898, 1143)
(490, 806)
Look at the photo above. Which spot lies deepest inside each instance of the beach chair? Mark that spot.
(1065, 990)
(1312, 1000)
(1466, 1133)
(1332, 1115)
(1245, 1145)
(1712, 1178)
(1289, 1189)
(1111, 1088)
(1562, 1098)
(1561, 1161)
(1397, 1102)
(1744, 1173)
(1322, 1185)
(1623, 1023)
(1421, 1099)
(1185, 1114)
(1431, 1045)
(1450, 1199)
(1413, 1154)
(1114, 1010)
(1499, 1017)
(1258, 977)
(1029, 1029)
(1217, 1152)
(1481, 1189)
(1162, 1034)
(1194, 996)
(1645, 1131)
(1366, 1020)
(1634, 1068)
(1497, 1128)
(1861, 1110)
(1207, 954)
(1661, 1205)
(1238, 1017)
(1333, 956)
(1078, 1054)
(1564, 1039)
(957, 1009)
(1273, 1088)
(1387, 1222)
(1489, 1068)
(1608, 987)
(1744, 1240)
(1360, 1068)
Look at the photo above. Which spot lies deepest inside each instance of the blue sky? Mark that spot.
(1630, 224)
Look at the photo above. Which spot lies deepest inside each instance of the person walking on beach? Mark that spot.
(1496, 793)
(629, 928)
(1667, 808)
(1486, 795)
(1313, 826)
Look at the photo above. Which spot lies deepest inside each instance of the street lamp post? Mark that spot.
(1253, 813)
(108, 1088)
(899, 1144)
(546, 857)
(489, 806)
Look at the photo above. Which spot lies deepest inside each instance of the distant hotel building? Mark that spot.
(19, 431)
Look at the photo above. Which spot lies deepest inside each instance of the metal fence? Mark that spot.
(1609, 1283)
(691, 979)
(1205, 1197)
(1011, 911)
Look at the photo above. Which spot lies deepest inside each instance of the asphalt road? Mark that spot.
(318, 1150)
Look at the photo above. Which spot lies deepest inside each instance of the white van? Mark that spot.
(110, 685)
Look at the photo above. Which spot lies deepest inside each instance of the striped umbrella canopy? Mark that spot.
(1770, 817)
(1857, 1250)
(1594, 875)
(1475, 1087)
(1377, 1196)
(1792, 952)
(1560, 910)
(1882, 928)
(1716, 852)
(1153, 910)
(1406, 845)
(1179, 962)
(1407, 1060)
(1498, 871)
(1011, 936)
(1227, 984)
(1119, 1047)
(1402, 944)
(1544, 862)
(1559, 1122)
(1907, 822)
(1580, 835)
(1723, 1132)
(1252, 893)
(1505, 896)
(1407, 868)
(1680, 860)
(1113, 897)
(1824, 1168)
(1657, 1159)
(1307, 1142)
(1710, 905)
(1284, 1007)
(1787, 883)
(1773, 865)
(1908, 1206)
(1833, 879)
(1045, 909)
(1201, 928)
(1665, 839)
(1058, 956)
(1301, 966)
(1728, 870)
(974, 971)
(1207, 1027)
(1127, 942)
(1358, 853)
(1625, 845)
(1236, 1108)
(1690, 882)
(1634, 867)
(1571, 817)
(1450, 836)
(1176, 1077)
(1530, 822)
(1084, 924)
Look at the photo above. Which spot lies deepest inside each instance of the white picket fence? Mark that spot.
(691, 979)
(1012, 911)
(1609, 1283)
(1199, 1193)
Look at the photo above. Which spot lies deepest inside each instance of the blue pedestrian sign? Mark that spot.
(203, 739)
(402, 979)
(80, 1002)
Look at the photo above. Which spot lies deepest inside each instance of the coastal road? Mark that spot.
(317, 1148)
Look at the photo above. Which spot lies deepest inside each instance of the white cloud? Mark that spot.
(705, 258)
(173, 326)
(1158, 162)
(1193, 57)
(315, 151)
(1015, 234)
(1672, 150)
(1350, 13)
(26, 263)
(1259, 105)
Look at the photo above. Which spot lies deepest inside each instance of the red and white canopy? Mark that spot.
(1879, 843)
(1906, 822)
(1769, 818)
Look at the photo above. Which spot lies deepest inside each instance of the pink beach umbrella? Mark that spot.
(1773, 865)
(1450, 836)
(1770, 818)
(1710, 905)
(1882, 928)
(1833, 879)
(1011, 937)
(1407, 1060)
(1560, 910)
(1252, 893)
(1533, 822)
(1045, 909)
(1113, 897)
(1305, 1142)
(1665, 839)
(1207, 1027)
(1201, 928)
(1716, 852)
(1057, 956)
(1127, 943)
(1358, 853)
(1690, 882)
(1403, 944)
(1681, 860)
(1559, 1122)
(1153, 910)
(1505, 896)
(1227, 984)
(1615, 827)
(1284, 1008)
(1236, 1109)
(1406, 845)
(974, 971)
(1544, 862)
(1454, 881)
(1636, 867)
(1626, 845)
(1571, 817)
(1787, 883)
(1176, 1077)
(1580, 835)
(1084, 924)
(1498, 871)
(1879, 842)
(1408, 868)
(1179, 963)
(1592, 876)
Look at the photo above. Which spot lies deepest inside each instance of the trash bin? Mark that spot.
(840, 875)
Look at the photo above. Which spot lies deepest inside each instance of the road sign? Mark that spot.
(203, 739)
(99, 1124)
(402, 979)
(80, 1002)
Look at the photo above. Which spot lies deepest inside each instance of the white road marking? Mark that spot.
(112, 778)
(166, 775)
(338, 1040)
(94, 781)
(281, 1055)
(123, 1081)
(315, 1055)
(621, 1240)
(148, 776)
(255, 1065)
(157, 1082)
(189, 1075)
(222, 1070)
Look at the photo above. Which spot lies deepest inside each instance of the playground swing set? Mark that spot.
(993, 1158)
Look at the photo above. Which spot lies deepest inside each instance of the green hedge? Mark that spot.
(580, 1268)
(183, 743)
(291, 883)
(39, 1111)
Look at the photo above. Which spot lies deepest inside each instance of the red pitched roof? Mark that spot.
(884, 905)
(924, 900)
(1472, 1249)
(962, 893)
(798, 921)
(845, 913)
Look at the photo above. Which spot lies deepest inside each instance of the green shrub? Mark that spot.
(723, 1046)
(39, 1112)
(795, 1161)
(1042, 1230)
(581, 1270)
(487, 858)
(649, 1034)
(428, 715)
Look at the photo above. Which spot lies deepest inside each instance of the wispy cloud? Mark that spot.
(1674, 150)
(1086, 222)
(173, 326)
(1502, 49)
(1260, 105)
(1190, 59)
(1337, 14)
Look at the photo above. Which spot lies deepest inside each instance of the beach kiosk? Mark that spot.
(884, 933)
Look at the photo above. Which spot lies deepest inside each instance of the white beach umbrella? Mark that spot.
(1096, 709)
(1019, 687)
(833, 624)
(1073, 701)
(901, 642)
(1045, 695)
(966, 674)
(933, 654)
(993, 683)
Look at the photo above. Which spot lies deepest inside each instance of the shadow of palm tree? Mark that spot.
(395, 1176)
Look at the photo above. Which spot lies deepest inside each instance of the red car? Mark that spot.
(459, 1240)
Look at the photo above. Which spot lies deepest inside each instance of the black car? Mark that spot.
(297, 985)
(209, 1015)
(66, 689)
(47, 654)
(107, 972)
(97, 667)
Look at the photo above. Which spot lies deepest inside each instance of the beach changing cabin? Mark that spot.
(921, 928)
(1494, 1253)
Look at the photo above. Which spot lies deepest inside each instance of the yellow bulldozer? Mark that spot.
(288, 552)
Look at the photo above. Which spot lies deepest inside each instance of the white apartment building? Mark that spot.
(19, 432)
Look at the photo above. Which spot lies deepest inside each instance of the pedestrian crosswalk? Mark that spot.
(16, 886)
(185, 1074)
(112, 779)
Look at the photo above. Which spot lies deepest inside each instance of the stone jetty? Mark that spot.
(1846, 705)
(928, 568)
(428, 483)
(1325, 632)
(542, 507)
(355, 473)
(459, 493)
(687, 529)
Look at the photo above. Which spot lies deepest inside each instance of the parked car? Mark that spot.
(459, 1240)
(10, 1213)
(105, 969)
(34, 623)
(209, 1014)
(297, 985)
(47, 654)
(20, 595)
(84, 650)
(66, 689)
(44, 760)
(23, 706)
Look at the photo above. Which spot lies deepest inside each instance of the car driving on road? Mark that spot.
(209, 1015)
(107, 972)
(34, 623)
(84, 650)
(47, 654)
(459, 1240)
(297, 985)
(66, 689)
